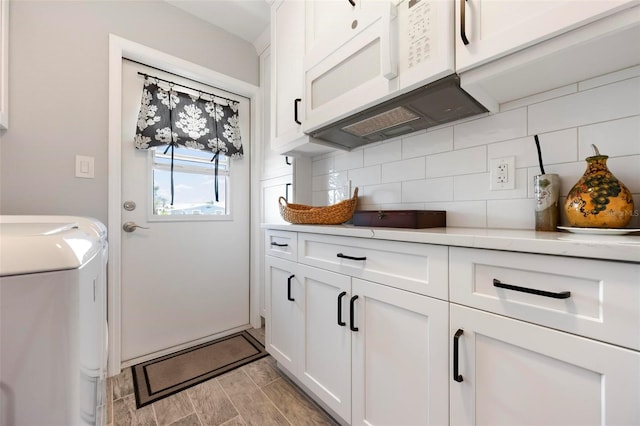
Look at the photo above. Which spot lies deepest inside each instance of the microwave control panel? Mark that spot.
(425, 41)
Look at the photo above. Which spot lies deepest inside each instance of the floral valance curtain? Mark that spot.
(174, 119)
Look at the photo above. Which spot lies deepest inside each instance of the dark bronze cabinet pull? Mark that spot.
(353, 3)
(286, 191)
(273, 243)
(352, 313)
(456, 338)
(344, 256)
(560, 295)
(463, 32)
(340, 296)
(296, 102)
(291, 299)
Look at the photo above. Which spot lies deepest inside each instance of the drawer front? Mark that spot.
(592, 298)
(283, 244)
(420, 268)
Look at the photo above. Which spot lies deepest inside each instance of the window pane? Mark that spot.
(194, 192)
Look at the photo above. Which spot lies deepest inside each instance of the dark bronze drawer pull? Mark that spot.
(456, 338)
(289, 297)
(279, 245)
(340, 296)
(352, 313)
(344, 256)
(560, 295)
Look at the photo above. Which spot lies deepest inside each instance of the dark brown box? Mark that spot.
(401, 218)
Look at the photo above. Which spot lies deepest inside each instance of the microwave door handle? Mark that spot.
(463, 29)
(389, 50)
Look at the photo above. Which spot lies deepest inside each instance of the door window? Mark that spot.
(194, 185)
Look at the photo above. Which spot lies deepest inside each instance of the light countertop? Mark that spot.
(610, 247)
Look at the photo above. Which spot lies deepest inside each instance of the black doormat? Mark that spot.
(167, 375)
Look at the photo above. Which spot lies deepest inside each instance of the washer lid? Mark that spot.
(30, 247)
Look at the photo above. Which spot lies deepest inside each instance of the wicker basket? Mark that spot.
(329, 215)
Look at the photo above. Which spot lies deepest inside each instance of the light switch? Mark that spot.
(84, 167)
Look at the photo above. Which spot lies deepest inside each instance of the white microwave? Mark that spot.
(368, 83)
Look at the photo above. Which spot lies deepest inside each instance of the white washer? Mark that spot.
(53, 325)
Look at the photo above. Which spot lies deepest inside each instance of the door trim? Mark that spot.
(119, 49)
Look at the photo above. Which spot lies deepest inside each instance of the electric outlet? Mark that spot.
(502, 173)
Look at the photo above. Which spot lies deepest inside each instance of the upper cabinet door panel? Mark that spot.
(489, 29)
(287, 38)
(328, 23)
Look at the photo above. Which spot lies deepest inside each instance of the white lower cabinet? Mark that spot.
(509, 372)
(284, 312)
(399, 357)
(501, 338)
(371, 353)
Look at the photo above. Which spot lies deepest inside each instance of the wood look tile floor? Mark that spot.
(254, 394)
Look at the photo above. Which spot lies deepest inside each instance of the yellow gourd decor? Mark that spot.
(598, 199)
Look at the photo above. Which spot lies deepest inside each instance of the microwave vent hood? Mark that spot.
(440, 102)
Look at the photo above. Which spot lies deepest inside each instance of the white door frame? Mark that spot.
(119, 49)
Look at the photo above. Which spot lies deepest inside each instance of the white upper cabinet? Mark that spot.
(503, 47)
(489, 29)
(287, 85)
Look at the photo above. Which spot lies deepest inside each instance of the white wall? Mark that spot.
(58, 88)
(447, 167)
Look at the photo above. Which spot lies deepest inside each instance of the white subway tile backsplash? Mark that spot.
(382, 194)
(446, 168)
(610, 102)
(426, 190)
(391, 151)
(322, 166)
(556, 147)
(365, 176)
(493, 128)
(464, 161)
(346, 160)
(544, 96)
(610, 78)
(613, 138)
(330, 181)
(399, 171)
(425, 143)
(476, 187)
(511, 214)
(466, 214)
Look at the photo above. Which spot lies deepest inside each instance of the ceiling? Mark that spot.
(247, 19)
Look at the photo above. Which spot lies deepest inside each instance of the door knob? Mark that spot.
(131, 226)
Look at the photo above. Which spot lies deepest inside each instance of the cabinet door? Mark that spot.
(399, 357)
(497, 28)
(326, 343)
(328, 24)
(514, 372)
(287, 51)
(284, 311)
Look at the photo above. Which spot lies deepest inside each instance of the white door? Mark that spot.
(186, 278)
(512, 372)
